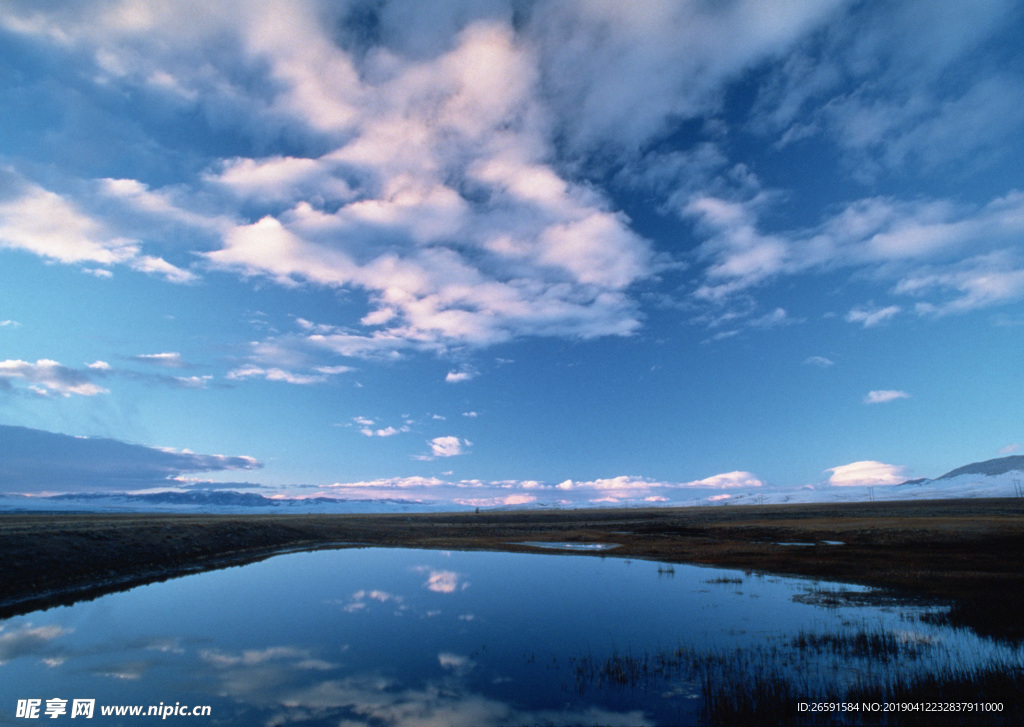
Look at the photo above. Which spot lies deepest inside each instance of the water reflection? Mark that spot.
(381, 637)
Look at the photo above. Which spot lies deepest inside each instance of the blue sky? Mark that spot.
(491, 252)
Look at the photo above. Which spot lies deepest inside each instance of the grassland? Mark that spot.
(967, 552)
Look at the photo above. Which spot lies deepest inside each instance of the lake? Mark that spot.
(381, 637)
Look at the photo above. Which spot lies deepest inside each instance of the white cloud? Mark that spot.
(867, 472)
(447, 446)
(250, 371)
(444, 581)
(728, 479)
(388, 431)
(918, 245)
(1010, 449)
(454, 377)
(44, 223)
(870, 318)
(882, 396)
(49, 378)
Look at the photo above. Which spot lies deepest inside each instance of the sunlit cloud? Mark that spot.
(867, 473)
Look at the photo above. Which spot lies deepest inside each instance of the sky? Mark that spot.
(497, 252)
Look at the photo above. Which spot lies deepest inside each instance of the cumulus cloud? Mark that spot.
(867, 473)
(447, 447)
(454, 377)
(35, 460)
(882, 396)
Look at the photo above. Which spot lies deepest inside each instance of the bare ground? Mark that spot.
(967, 552)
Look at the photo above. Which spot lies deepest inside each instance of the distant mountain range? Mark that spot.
(988, 468)
(992, 478)
(226, 501)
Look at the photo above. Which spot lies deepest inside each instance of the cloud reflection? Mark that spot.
(442, 581)
(29, 640)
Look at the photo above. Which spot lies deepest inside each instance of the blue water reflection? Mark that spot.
(382, 637)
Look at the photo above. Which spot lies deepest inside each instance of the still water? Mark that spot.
(382, 637)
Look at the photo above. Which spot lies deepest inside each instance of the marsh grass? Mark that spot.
(877, 644)
(863, 666)
(724, 580)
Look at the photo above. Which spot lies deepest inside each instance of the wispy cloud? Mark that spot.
(820, 361)
(317, 376)
(882, 396)
(170, 360)
(870, 318)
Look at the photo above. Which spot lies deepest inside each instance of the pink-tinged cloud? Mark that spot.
(867, 473)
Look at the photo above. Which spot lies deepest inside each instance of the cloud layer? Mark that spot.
(38, 461)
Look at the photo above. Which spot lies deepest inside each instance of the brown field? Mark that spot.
(969, 553)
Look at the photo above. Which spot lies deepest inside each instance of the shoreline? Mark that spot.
(969, 553)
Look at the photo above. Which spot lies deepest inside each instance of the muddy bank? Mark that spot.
(969, 552)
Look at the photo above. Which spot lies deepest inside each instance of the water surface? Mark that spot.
(382, 637)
